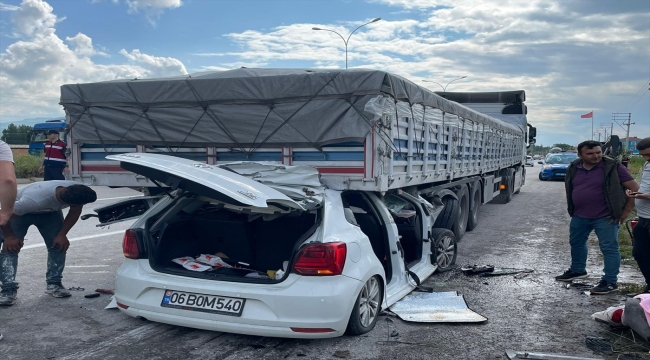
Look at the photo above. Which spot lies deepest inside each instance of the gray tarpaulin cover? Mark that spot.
(443, 307)
(243, 108)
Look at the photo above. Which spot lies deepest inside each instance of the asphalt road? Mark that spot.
(533, 313)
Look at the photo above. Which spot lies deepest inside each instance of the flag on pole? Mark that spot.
(587, 115)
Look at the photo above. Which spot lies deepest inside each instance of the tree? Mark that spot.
(16, 134)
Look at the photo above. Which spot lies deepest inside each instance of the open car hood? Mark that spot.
(206, 180)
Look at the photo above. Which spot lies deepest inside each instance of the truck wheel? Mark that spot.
(445, 249)
(472, 220)
(448, 217)
(366, 308)
(505, 195)
(463, 212)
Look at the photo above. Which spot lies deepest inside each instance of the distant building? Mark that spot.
(631, 144)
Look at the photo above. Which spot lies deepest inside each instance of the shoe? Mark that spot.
(57, 290)
(8, 297)
(570, 275)
(604, 287)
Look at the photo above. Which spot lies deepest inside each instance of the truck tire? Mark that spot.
(463, 212)
(445, 249)
(449, 216)
(505, 195)
(477, 198)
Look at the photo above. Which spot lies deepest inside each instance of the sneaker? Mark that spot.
(569, 275)
(57, 290)
(8, 297)
(604, 287)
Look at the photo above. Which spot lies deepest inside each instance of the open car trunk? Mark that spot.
(253, 246)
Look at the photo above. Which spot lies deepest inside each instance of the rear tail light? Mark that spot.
(122, 305)
(130, 245)
(321, 259)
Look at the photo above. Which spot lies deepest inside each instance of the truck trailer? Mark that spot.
(364, 130)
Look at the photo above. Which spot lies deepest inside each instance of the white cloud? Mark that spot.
(152, 9)
(595, 54)
(7, 7)
(33, 68)
(157, 66)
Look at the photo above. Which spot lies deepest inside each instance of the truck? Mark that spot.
(38, 136)
(364, 130)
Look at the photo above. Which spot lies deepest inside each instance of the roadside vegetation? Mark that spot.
(27, 166)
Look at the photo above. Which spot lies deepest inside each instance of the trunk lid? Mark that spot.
(212, 181)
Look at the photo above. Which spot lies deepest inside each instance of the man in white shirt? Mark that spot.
(7, 187)
(40, 204)
(641, 232)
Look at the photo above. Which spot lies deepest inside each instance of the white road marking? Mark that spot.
(77, 239)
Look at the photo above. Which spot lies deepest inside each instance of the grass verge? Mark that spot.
(27, 166)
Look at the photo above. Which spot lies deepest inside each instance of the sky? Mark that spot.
(571, 57)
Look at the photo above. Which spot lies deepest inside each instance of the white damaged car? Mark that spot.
(279, 254)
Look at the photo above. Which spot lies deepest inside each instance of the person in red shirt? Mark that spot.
(54, 162)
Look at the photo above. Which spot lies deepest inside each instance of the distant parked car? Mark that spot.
(529, 161)
(537, 157)
(555, 165)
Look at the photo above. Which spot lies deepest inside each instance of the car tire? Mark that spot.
(449, 215)
(445, 249)
(367, 307)
(460, 227)
(505, 196)
(477, 197)
(541, 178)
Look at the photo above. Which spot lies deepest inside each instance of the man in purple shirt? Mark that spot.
(595, 190)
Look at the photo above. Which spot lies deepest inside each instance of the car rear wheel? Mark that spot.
(445, 249)
(366, 308)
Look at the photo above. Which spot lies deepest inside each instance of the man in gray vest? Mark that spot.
(7, 187)
(595, 192)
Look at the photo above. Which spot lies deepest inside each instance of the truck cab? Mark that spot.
(38, 136)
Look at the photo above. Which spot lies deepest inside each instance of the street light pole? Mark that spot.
(348, 40)
(444, 88)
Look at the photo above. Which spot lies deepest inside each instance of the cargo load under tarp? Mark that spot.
(252, 108)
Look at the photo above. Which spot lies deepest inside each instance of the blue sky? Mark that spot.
(570, 57)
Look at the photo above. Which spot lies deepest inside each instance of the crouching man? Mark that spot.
(40, 204)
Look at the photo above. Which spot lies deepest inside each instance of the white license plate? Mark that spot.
(204, 303)
(559, 174)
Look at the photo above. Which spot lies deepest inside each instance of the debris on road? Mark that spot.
(75, 288)
(491, 270)
(514, 355)
(442, 307)
(105, 291)
(580, 284)
(112, 304)
(342, 354)
(599, 345)
(90, 296)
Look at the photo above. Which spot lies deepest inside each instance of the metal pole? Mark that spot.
(627, 132)
(348, 40)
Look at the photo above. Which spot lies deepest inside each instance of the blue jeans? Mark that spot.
(48, 224)
(607, 234)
